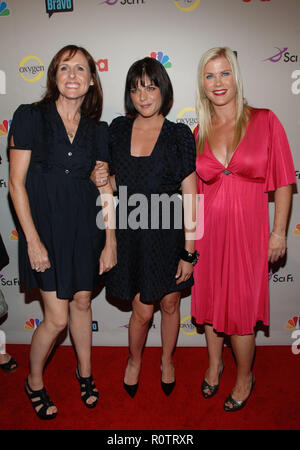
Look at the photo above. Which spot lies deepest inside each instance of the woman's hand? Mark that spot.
(184, 271)
(38, 256)
(100, 174)
(108, 258)
(277, 248)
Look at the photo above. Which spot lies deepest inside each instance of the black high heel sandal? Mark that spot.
(38, 398)
(10, 366)
(237, 405)
(87, 386)
(213, 388)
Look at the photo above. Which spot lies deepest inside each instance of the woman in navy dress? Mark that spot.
(152, 158)
(54, 144)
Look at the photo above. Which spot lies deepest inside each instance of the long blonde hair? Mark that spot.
(204, 107)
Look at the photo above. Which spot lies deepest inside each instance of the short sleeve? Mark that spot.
(187, 150)
(102, 142)
(114, 130)
(21, 128)
(280, 169)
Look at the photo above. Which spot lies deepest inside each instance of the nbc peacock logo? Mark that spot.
(14, 235)
(4, 11)
(162, 58)
(32, 324)
(4, 127)
(297, 230)
(293, 323)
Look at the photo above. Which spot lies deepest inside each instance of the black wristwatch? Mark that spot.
(189, 257)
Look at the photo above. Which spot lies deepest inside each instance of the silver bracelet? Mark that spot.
(277, 235)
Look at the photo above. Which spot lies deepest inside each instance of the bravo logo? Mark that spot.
(187, 5)
(57, 6)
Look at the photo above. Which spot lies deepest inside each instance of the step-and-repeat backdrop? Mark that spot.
(266, 36)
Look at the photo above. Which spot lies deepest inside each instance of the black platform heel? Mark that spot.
(87, 386)
(38, 398)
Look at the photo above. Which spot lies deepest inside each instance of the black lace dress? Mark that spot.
(150, 234)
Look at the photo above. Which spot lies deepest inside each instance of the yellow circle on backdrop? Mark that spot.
(184, 110)
(186, 332)
(24, 61)
(188, 8)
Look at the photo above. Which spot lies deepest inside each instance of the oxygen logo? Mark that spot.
(186, 326)
(187, 116)
(187, 5)
(31, 68)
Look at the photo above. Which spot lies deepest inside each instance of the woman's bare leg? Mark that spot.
(81, 331)
(138, 330)
(44, 338)
(215, 350)
(170, 321)
(243, 348)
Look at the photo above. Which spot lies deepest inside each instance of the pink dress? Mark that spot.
(231, 290)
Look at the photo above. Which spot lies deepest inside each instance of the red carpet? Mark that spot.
(273, 405)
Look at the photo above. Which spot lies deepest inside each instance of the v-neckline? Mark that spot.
(65, 130)
(234, 152)
(155, 144)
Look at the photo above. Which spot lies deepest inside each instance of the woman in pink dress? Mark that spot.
(243, 153)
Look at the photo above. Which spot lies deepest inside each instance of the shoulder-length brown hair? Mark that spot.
(93, 101)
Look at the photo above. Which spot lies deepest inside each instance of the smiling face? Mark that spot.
(218, 82)
(73, 76)
(146, 98)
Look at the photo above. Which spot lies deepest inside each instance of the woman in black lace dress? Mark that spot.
(152, 159)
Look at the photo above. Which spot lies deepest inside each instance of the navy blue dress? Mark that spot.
(149, 244)
(62, 197)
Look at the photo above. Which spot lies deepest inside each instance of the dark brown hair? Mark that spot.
(157, 74)
(93, 101)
